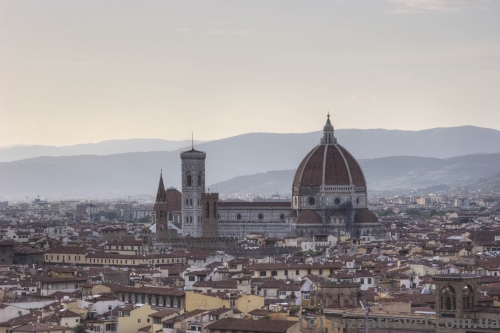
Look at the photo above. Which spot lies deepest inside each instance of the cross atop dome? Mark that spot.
(328, 137)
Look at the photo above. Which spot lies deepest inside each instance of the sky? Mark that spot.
(87, 71)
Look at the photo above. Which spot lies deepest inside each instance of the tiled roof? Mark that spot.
(336, 167)
(308, 217)
(267, 326)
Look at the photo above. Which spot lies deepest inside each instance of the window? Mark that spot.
(362, 280)
(138, 321)
(199, 179)
(263, 273)
(274, 273)
(305, 296)
(321, 271)
(188, 179)
(286, 273)
(191, 278)
(369, 280)
(297, 272)
(207, 210)
(215, 210)
(109, 307)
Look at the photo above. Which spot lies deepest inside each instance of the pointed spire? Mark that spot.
(160, 195)
(328, 137)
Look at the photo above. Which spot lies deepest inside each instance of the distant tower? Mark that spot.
(193, 185)
(160, 208)
(210, 217)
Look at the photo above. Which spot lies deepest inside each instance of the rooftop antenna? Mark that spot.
(366, 309)
(192, 140)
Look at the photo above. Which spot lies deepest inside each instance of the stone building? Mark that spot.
(331, 294)
(455, 295)
(167, 215)
(238, 218)
(161, 212)
(210, 202)
(7, 252)
(193, 185)
(329, 193)
(329, 196)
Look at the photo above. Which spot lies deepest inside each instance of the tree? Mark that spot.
(80, 328)
(413, 212)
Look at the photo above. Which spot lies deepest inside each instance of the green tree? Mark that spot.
(413, 212)
(80, 328)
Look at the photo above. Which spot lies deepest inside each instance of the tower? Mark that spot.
(210, 215)
(455, 295)
(160, 208)
(193, 185)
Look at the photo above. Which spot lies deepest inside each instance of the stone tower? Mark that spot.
(455, 295)
(160, 209)
(193, 185)
(210, 215)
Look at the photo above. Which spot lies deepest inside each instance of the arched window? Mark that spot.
(448, 298)
(161, 214)
(188, 179)
(191, 219)
(199, 179)
(215, 210)
(190, 201)
(207, 213)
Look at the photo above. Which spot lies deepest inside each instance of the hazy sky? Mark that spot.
(86, 71)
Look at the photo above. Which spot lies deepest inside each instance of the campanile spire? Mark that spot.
(328, 137)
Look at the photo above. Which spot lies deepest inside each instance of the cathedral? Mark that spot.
(329, 196)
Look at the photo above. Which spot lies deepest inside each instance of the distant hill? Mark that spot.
(19, 152)
(137, 173)
(474, 171)
(288, 149)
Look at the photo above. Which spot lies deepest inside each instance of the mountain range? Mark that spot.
(427, 153)
(20, 152)
(399, 172)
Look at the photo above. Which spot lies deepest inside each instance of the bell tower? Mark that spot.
(160, 209)
(193, 185)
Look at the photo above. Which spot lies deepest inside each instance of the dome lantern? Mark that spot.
(328, 137)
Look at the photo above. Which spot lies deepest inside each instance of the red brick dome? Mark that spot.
(330, 163)
(308, 217)
(365, 216)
